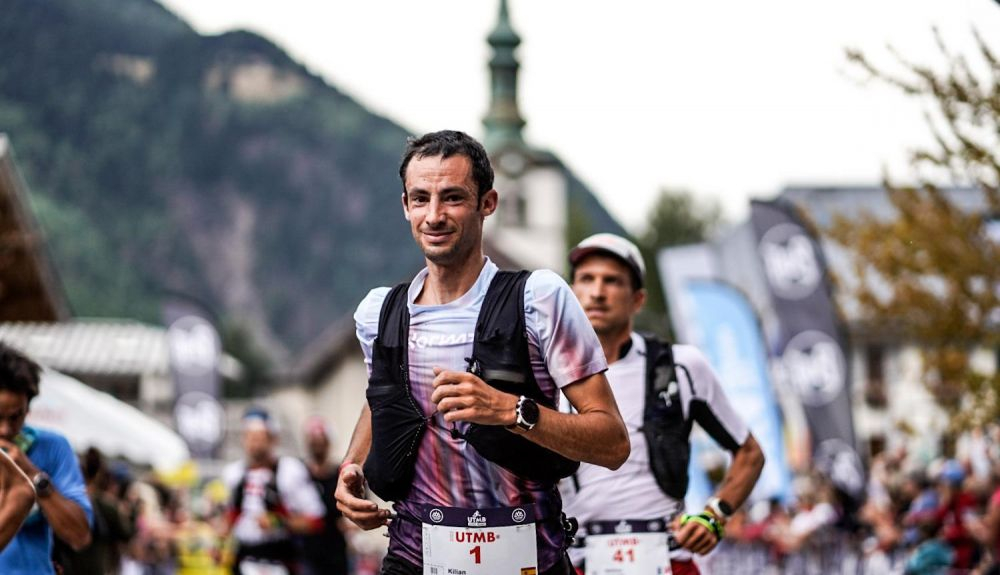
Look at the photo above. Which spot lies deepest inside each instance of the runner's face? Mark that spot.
(603, 285)
(318, 445)
(442, 205)
(13, 410)
(257, 444)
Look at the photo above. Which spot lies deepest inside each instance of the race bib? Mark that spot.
(498, 541)
(251, 567)
(627, 548)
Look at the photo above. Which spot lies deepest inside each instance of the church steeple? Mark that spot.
(503, 120)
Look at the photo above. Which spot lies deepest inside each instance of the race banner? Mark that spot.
(195, 351)
(727, 331)
(809, 353)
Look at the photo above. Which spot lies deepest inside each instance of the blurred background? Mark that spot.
(194, 196)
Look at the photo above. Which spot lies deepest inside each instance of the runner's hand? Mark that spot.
(694, 536)
(350, 495)
(461, 396)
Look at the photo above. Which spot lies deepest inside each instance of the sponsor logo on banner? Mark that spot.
(790, 261)
(200, 420)
(813, 363)
(194, 346)
(477, 520)
(841, 463)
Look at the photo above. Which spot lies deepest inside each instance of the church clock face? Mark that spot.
(512, 163)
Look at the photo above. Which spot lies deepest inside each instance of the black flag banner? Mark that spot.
(195, 352)
(810, 353)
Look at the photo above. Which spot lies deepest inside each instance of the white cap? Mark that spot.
(616, 246)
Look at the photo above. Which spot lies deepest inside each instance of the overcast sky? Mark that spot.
(727, 99)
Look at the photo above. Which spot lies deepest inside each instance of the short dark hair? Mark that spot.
(447, 143)
(18, 373)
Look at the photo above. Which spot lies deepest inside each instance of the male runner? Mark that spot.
(509, 522)
(607, 277)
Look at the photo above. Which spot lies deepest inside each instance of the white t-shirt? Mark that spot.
(295, 489)
(631, 492)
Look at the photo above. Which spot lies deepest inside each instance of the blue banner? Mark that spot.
(725, 328)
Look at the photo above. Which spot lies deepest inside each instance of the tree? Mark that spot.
(931, 272)
(676, 218)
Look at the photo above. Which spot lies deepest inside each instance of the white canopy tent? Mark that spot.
(91, 418)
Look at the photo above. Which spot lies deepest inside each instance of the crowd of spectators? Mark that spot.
(144, 526)
(918, 517)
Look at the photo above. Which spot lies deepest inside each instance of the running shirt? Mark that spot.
(631, 491)
(295, 489)
(449, 472)
(30, 551)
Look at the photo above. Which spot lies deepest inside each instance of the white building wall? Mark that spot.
(539, 241)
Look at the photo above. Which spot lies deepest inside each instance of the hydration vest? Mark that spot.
(666, 429)
(271, 495)
(500, 357)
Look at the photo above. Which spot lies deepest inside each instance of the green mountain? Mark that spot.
(163, 161)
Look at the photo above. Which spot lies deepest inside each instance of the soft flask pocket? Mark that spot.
(390, 463)
(669, 455)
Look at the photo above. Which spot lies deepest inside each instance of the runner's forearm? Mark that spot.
(595, 434)
(361, 438)
(739, 481)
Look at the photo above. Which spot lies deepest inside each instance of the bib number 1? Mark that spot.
(498, 541)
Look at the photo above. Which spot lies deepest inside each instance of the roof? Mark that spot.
(822, 203)
(29, 287)
(98, 347)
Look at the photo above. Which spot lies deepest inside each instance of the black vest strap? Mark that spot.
(666, 429)
(394, 319)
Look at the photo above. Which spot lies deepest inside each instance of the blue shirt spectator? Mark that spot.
(30, 552)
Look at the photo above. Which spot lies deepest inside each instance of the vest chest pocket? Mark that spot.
(500, 364)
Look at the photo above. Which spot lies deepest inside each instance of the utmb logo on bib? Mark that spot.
(477, 520)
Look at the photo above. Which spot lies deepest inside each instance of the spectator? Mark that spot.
(45, 457)
(326, 550)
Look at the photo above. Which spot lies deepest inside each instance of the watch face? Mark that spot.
(42, 482)
(529, 411)
(725, 508)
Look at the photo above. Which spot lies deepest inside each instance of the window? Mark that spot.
(515, 207)
(875, 393)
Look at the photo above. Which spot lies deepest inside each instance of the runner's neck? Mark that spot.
(447, 284)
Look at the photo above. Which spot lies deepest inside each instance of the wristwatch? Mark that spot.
(719, 508)
(527, 413)
(42, 483)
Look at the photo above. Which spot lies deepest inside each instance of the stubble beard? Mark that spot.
(456, 253)
(611, 328)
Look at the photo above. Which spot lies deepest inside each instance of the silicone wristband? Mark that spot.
(706, 521)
